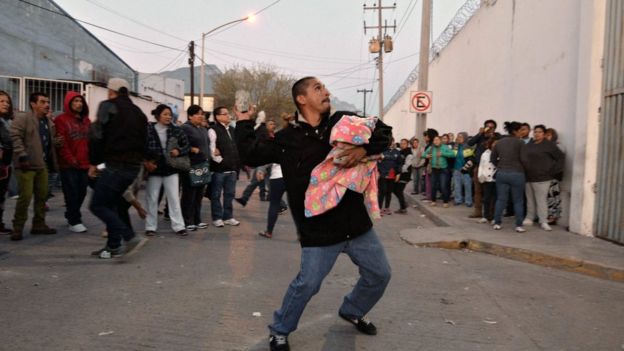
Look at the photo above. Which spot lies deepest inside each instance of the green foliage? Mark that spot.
(269, 89)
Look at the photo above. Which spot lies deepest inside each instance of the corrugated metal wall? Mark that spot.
(609, 217)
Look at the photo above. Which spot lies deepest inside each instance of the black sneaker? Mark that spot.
(241, 201)
(106, 252)
(363, 325)
(278, 343)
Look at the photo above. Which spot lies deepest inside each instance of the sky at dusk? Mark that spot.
(323, 38)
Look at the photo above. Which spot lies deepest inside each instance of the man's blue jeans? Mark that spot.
(365, 251)
(515, 182)
(222, 182)
(462, 181)
(110, 186)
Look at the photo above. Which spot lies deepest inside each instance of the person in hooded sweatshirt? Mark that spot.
(73, 156)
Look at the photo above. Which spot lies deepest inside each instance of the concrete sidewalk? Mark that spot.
(557, 249)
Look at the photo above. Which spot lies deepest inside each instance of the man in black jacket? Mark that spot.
(118, 138)
(225, 164)
(346, 228)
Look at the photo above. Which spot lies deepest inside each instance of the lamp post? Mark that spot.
(203, 63)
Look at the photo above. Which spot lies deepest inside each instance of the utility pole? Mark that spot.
(365, 91)
(423, 65)
(191, 62)
(376, 45)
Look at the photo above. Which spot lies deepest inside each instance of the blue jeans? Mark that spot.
(416, 180)
(222, 182)
(506, 181)
(75, 182)
(278, 188)
(462, 181)
(440, 182)
(110, 186)
(365, 251)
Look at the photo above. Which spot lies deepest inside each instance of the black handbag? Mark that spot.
(199, 174)
(182, 163)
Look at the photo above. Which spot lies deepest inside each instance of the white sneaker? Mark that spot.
(218, 223)
(231, 221)
(78, 228)
(497, 227)
(202, 225)
(483, 220)
(527, 222)
(520, 229)
(546, 227)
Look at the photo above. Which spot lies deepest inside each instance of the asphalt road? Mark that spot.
(217, 290)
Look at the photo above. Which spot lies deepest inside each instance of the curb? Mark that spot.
(437, 220)
(522, 255)
(566, 264)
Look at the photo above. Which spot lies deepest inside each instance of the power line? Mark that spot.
(98, 26)
(135, 21)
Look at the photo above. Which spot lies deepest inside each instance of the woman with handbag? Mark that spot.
(194, 183)
(169, 145)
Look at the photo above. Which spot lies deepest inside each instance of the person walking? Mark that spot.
(225, 164)
(437, 154)
(192, 194)
(347, 228)
(543, 160)
(168, 141)
(73, 125)
(389, 167)
(404, 174)
(34, 153)
(509, 175)
(258, 178)
(118, 138)
(6, 153)
(278, 188)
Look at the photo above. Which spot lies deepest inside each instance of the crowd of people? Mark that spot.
(119, 154)
(512, 175)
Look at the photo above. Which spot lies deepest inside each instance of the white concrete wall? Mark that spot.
(518, 60)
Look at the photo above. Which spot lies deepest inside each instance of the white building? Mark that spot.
(538, 61)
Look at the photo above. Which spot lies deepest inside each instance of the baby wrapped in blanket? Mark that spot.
(329, 181)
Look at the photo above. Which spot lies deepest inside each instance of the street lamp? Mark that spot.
(203, 63)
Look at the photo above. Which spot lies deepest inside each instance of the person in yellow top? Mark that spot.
(462, 170)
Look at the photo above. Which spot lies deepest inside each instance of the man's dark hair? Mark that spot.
(511, 127)
(299, 88)
(192, 110)
(217, 111)
(490, 121)
(207, 115)
(431, 133)
(525, 124)
(540, 126)
(123, 91)
(34, 97)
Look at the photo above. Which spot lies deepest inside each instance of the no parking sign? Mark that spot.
(421, 101)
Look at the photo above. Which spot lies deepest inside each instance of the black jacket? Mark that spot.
(299, 148)
(119, 134)
(227, 148)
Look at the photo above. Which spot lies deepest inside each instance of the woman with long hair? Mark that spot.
(160, 140)
(506, 156)
(6, 151)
